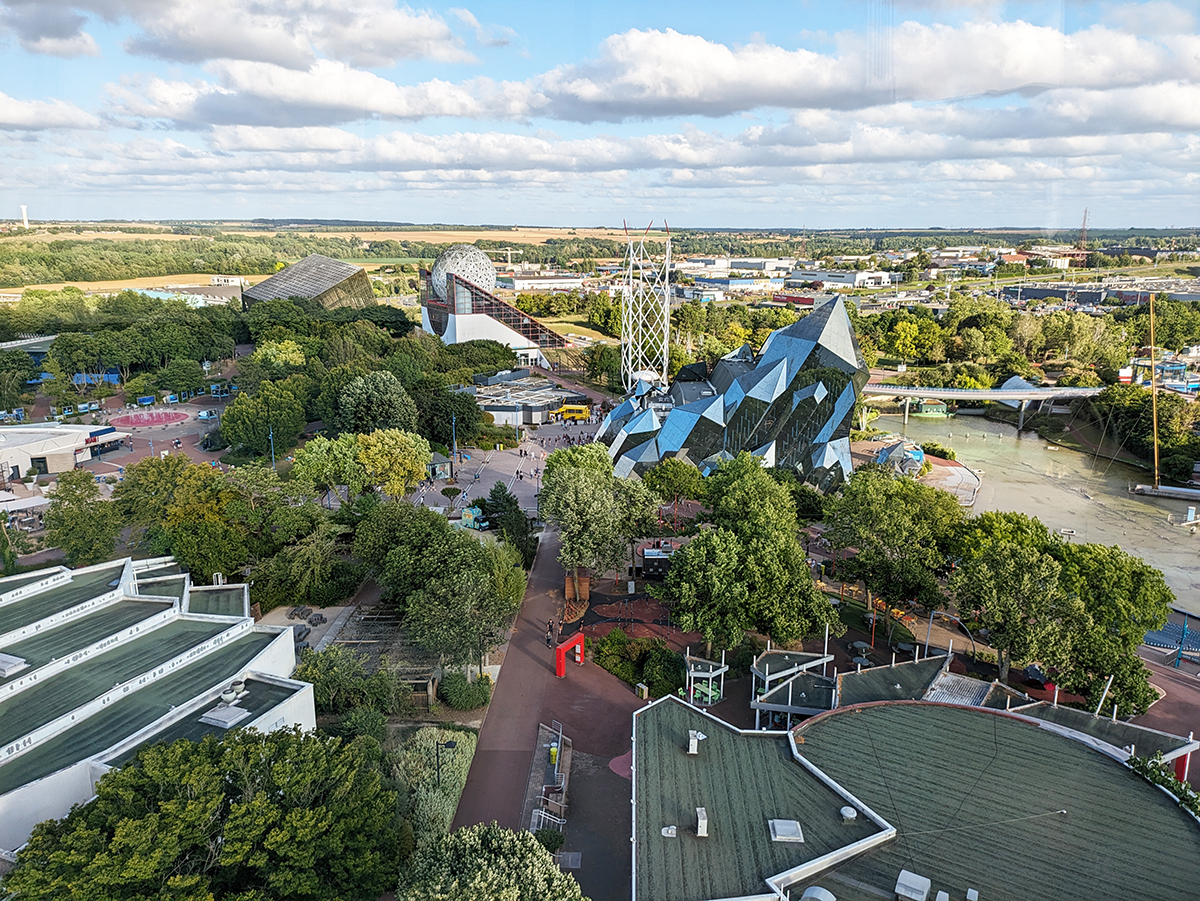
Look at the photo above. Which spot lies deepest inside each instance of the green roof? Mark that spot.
(1119, 734)
(169, 587)
(261, 697)
(974, 795)
(75, 635)
(134, 711)
(82, 587)
(49, 698)
(902, 682)
(742, 780)
(12, 583)
(162, 569)
(218, 601)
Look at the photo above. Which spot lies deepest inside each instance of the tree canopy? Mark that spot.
(80, 521)
(251, 817)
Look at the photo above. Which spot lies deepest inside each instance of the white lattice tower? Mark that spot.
(645, 315)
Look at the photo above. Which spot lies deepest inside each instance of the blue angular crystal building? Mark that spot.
(791, 405)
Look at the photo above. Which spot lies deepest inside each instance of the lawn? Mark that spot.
(576, 324)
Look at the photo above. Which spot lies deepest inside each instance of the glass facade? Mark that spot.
(791, 405)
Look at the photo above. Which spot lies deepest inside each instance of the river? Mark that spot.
(1068, 490)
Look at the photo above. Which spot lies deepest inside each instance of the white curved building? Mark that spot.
(457, 304)
(99, 661)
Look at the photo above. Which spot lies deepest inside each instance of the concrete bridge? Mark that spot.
(1021, 395)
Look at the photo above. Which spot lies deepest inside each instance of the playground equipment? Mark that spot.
(575, 642)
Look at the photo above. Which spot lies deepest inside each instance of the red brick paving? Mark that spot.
(594, 706)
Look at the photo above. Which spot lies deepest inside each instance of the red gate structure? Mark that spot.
(560, 657)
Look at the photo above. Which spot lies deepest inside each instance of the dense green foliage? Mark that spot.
(79, 521)
(459, 594)
(288, 815)
(646, 660)
(1124, 413)
(342, 681)
(486, 863)
(460, 694)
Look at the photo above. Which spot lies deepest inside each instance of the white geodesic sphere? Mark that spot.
(467, 262)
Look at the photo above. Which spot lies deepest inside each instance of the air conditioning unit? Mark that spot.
(912, 887)
(701, 823)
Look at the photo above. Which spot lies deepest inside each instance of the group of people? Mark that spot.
(551, 633)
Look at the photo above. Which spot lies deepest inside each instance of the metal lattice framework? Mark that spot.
(469, 263)
(645, 315)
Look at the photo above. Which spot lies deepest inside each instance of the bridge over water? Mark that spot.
(1021, 395)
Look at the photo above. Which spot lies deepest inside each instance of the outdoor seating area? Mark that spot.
(705, 684)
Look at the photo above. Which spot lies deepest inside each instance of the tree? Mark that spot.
(486, 863)
(1015, 593)
(637, 507)
(448, 415)
(577, 497)
(251, 817)
(149, 487)
(902, 340)
(394, 460)
(206, 547)
(330, 464)
(81, 521)
(251, 417)
(706, 589)
(902, 532)
(180, 375)
(375, 401)
(782, 598)
(467, 608)
(504, 512)
(673, 478)
(402, 546)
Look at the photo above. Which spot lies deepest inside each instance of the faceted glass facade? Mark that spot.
(790, 405)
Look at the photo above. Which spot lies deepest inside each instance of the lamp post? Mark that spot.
(437, 753)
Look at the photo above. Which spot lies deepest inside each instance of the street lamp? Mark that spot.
(437, 753)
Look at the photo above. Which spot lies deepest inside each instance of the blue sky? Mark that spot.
(783, 114)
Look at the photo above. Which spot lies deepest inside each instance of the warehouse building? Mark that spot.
(98, 662)
(330, 282)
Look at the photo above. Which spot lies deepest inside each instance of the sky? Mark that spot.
(783, 114)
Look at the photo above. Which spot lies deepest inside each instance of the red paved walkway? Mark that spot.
(594, 706)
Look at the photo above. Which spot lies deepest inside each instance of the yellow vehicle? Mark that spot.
(577, 412)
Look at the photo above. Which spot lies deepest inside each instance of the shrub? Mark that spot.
(431, 806)
(460, 694)
(551, 839)
(937, 449)
(636, 660)
(364, 721)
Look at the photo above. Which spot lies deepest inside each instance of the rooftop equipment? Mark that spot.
(701, 823)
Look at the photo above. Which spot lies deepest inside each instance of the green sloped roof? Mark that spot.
(974, 795)
(902, 682)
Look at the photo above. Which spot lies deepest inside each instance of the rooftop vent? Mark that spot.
(972, 895)
(694, 739)
(911, 887)
(849, 814)
(224, 716)
(669, 831)
(785, 831)
(10, 665)
(816, 893)
(701, 823)
(942, 896)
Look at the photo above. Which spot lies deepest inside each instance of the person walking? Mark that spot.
(550, 634)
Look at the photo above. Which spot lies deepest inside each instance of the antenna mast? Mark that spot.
(1153, 391)
(1083, 231)
(645, 313)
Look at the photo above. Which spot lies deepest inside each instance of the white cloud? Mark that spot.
(371, 33)
(42, 115)
(487, 35)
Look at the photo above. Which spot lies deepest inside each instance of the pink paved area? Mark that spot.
(148, 418)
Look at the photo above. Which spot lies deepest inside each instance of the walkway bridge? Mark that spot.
(1022, 396)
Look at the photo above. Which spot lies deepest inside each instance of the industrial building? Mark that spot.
(849, 278)
(457, 305)
(904, 799)
(540, 282)
(51, 448)
(98, 662)
(329, 282)
(790, 405)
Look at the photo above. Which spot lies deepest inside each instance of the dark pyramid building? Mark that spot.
(330, 282)
(791, 405)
